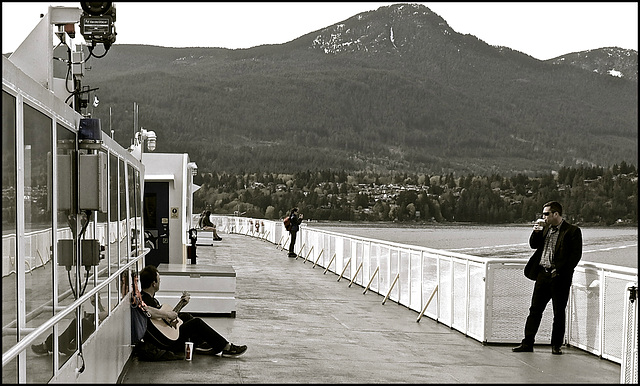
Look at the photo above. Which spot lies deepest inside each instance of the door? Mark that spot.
(156, 221)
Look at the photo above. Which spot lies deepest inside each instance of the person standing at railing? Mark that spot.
(296, 220)
(558, 246)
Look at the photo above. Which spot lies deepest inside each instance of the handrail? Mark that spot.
(408, 246)
(22, 345)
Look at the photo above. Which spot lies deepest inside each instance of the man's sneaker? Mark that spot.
(40, 349)
(234, 350)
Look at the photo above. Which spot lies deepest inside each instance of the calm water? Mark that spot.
(608, 245)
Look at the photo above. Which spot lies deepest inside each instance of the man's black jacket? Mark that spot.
(567, 254)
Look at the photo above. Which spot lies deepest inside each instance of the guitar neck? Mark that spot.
(183, 302)
(180, 306)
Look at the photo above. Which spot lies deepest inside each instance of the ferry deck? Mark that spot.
(302, 325)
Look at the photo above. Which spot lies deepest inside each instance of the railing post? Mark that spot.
(328, 265)
(300, 251)
(391, 288)
(356, 274)
(424, 309)
(344, 269)
(282, 245)
(371, 281)
(316, 262)
(310, 250)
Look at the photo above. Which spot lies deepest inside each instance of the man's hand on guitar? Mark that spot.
(185, 297)
(171, 318)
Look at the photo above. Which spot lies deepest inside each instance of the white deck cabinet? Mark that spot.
(212, 287)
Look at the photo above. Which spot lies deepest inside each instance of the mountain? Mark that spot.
(612, 61)
(395, 89)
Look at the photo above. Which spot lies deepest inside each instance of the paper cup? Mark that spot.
(188, 350)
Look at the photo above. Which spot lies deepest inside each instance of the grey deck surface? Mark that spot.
(303, 326)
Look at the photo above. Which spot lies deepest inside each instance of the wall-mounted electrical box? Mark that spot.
(93, 182)
(90, 253)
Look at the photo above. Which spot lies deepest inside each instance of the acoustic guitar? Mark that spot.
(164, 327)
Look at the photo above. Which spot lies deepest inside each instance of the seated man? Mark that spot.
(192, 329)
(205, 224)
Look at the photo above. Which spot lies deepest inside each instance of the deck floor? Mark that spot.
(303, 326)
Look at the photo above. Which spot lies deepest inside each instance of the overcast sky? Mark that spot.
(542, 30)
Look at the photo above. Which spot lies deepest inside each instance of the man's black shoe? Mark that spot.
(234, 350)
(523, 348)
(40, 349)
(556, 350)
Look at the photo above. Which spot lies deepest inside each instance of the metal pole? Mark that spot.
(285, 242)
(356, 274)
(316, 262)
(427, 304)
(328, 265)
(391, 288)
(300, 251)
(310, 250)
(344, 269)
(370, 281)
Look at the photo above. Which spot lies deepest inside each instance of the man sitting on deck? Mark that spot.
(191, 329)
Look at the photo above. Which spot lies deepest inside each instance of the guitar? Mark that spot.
(167, 330)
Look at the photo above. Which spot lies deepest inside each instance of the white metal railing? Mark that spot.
(484, 298)
(24, 343)
(629, 365)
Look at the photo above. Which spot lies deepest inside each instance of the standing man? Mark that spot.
(558, 246)
(296, 220)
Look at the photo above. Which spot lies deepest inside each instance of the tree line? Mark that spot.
(589, 195)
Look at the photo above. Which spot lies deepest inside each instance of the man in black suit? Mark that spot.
(558, 246)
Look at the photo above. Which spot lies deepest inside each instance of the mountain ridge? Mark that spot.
(393, 89)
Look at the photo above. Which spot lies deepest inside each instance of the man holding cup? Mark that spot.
(558, 246)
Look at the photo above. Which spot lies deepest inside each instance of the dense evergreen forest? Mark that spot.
(589, 195)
